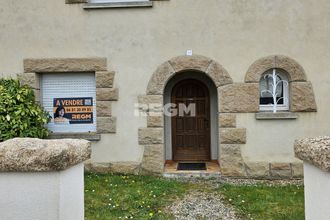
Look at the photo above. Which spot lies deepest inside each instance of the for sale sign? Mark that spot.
(73, 110)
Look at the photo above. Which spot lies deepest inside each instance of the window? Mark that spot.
(111, 1)
(274, 92)
(98, 4)
(70, 100)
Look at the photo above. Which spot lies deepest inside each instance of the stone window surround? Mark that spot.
(109, 5)
(232, 98)
(105, 93)
(300, 90)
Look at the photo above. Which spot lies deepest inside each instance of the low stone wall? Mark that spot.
(42, 179)
(315, 152)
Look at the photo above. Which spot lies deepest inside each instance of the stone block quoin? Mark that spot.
(105, 92)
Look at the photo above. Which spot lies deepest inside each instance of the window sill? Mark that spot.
(86, 136)
(276, 116)
(110, 5)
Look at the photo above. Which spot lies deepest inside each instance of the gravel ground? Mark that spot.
(202, 205)
(199, 205)
(215, 182)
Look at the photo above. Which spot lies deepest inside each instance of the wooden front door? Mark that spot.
(190, 133)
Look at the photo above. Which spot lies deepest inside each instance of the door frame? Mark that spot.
(214, 133)
(207, 151)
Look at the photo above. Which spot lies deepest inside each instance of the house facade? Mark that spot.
(155, 81)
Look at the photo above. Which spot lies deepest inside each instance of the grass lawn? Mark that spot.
(110, 196)
(266, 202)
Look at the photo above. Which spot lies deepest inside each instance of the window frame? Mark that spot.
(114, 1)
(286, 102)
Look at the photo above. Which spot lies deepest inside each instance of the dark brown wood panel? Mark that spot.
(191, 133)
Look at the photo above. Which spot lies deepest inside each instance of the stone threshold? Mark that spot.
(212, 171)
(276, 116)
(86, 136)
(136, 4)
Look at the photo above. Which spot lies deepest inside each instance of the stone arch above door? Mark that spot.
(152, 137)
(178, 64)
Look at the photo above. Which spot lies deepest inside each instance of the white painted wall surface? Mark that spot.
(42, 195)
(136, 41)
(317, 193)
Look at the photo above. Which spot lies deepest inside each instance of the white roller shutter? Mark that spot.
(68, 85)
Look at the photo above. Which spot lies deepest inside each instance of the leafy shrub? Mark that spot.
(20, 115)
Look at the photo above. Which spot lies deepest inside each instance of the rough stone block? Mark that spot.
(276, 115)
(103, 108)
(280, 170)
(281, 173)
(297, 170)
(218, 74)
(75, 1)
(151, 104)
(107, 94)
(104, 79)
(231, 162)
(98, 167)
(155, 121)
(315, 151)
(258, 68)
(280, 166)
(227, 120)
(127, 167)
(296, 72)
(90, 136)
(29, 79)
(150, 99)
(232, 136)
(195, 62)
(239, 97)
(106, 125)
(151, 136)
(302, 97)
(64, 65)
(36, 155)
(257, 169)
(153, 159)
(159, 78)
(37, 95)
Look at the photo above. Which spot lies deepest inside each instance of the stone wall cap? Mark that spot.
(36, 155)
(315, 151)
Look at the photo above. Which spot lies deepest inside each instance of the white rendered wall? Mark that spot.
(317, 193)
(55, 195)
(234, 33)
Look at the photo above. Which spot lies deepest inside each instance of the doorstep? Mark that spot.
(212, 170)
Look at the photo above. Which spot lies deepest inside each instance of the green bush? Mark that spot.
(20, 115)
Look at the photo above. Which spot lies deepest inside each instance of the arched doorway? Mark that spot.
(190, 121)
(156, 138)
(189, 87)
